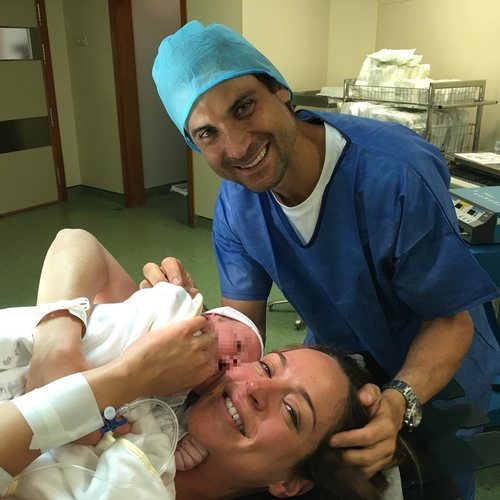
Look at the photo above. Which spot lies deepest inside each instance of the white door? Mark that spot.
(27, 173)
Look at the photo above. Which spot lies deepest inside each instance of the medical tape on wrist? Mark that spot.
(76, 307)
(60, 412)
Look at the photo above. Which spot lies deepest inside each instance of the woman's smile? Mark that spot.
(233, 412)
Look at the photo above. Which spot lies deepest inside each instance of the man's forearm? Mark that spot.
(436, 354)
(434, 357)
(253, 309)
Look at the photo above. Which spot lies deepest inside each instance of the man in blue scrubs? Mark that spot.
(350, 217)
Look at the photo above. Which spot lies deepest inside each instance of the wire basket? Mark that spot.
(457, 138)
(436, 94)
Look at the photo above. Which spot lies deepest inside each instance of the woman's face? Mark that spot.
(261, 418)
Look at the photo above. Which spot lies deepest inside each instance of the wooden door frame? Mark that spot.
(127, 100)
(50, 95)
(189, 151)
(122, 40)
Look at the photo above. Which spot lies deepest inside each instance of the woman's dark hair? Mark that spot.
(333, 478)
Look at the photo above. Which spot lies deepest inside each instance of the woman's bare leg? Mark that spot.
(76, 265)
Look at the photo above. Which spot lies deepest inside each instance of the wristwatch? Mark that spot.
(413, 412)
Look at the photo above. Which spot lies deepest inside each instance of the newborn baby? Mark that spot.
(239, 341)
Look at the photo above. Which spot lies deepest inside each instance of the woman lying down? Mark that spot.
(256, 425)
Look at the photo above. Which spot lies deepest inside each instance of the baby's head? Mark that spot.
(238, 339)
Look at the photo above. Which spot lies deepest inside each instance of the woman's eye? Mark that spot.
(265, 368)
(293, 415)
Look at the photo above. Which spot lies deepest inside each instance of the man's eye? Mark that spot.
(265, 368)
(293, 415)
(244, 109)
(207, 133)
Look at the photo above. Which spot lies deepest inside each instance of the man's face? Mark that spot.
(245, 132)
(261, 418)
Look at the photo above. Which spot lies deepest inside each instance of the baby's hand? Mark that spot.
(189, 453)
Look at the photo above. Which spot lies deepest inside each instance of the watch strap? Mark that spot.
(413, 410)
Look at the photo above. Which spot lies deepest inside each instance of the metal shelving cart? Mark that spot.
(439, 97)
(435, 102)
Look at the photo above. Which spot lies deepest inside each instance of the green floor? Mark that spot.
(136, 236)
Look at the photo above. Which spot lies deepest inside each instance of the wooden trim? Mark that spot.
(50, 93)
(190, 181)
(21, 210)
(127, 100)
(189, 151)
(183, 9)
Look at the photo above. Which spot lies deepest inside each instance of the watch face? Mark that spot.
(413, 415)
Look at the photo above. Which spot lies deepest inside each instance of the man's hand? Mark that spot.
(372, 447)
(170, 270)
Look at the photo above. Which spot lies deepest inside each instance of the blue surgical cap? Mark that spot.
(195, 59)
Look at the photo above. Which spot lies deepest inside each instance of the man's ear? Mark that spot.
(283, 95)
(290, 487)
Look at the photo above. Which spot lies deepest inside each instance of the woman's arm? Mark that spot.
(76, 265)
(164, 362)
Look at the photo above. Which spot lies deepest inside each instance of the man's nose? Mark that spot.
(237, 144)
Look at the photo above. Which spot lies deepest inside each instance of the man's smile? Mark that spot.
(257, 160)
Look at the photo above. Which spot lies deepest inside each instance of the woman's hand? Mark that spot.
(170, 270)
(169, 360)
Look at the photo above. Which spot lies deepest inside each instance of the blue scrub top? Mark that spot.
(385, 253)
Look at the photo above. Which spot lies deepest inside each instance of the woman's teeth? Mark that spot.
(232, 411)
(257, 160)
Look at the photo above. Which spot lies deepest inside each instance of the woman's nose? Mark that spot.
(256, 395)
(261, 392)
